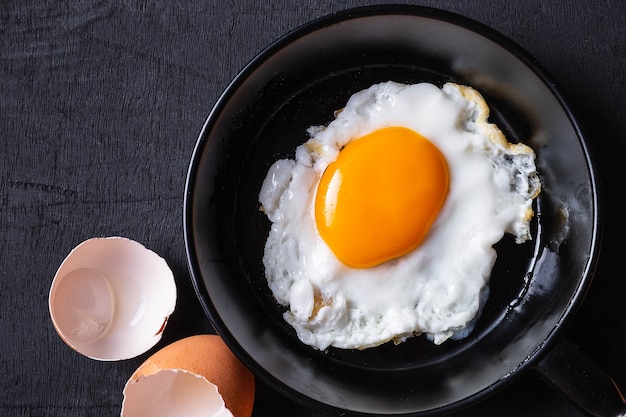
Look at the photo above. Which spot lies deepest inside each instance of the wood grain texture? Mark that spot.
(101, 104)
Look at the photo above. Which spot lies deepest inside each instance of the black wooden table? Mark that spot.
(101, 103)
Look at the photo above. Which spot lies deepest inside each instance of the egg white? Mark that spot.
(438, 288)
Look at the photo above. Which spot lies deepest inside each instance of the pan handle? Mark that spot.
(590, 388)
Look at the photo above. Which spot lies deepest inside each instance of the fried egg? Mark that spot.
(383, 224)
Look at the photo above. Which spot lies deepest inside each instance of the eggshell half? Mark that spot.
(111, 298)
(195, 376)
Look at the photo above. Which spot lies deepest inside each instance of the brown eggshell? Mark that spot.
(209, 357)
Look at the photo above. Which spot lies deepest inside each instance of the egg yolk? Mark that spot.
(381, 195)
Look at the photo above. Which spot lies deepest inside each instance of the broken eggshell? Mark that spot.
(111, 297)
(195, 376)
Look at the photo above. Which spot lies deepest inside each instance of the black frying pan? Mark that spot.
(298, 82)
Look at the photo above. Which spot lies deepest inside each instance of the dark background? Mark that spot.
(101, 103)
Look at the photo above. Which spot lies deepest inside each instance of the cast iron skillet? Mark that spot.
(299, 81)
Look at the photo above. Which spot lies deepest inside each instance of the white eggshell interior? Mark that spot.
(111, 297)
(173, 393)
